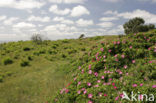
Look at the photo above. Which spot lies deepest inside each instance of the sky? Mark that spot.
(64, 19)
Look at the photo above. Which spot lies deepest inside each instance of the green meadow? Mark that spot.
(34, 73)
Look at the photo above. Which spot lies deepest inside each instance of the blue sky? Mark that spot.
(59, 19)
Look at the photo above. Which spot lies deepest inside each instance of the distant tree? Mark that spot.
(81, 36)
(37, 38)
(137, 25)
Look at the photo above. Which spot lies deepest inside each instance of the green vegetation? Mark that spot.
(90, 70)
(136, 25)
(36, 71)
(108, 69)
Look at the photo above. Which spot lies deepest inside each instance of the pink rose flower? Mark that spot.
(135, 85)
(89, 84)
(90, 95)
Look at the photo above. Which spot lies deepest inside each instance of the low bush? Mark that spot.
(7, 61)
(30, 58)
(1, 79)
(24, 63)
(26, 49)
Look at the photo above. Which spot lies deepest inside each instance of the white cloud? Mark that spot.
(82, 22)
(153, 1)
(112, 1)
(79, 10)
(21, 4)
(67, 1)
(24, 25)
(54, 9)
(3, 17)
(109, 12)
(106, 24)
(62, 20)
(40, 19)
(10, 20)
(109, 18)
(149, 17)
(60, 29)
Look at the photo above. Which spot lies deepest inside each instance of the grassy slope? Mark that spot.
(47, 72)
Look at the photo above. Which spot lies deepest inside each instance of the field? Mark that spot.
(31, 73)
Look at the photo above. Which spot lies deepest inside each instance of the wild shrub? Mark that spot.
(1, 79)
(7, 61)
(63, 55)
(107, 70)
(83, 49)
(24, 63)
(26, 49)
(65, 41)
(30, 58)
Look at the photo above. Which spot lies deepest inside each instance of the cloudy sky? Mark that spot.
(59, 19)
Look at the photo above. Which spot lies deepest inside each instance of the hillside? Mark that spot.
(31, 73)
(109, 70)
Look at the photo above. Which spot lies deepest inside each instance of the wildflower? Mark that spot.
(89, 84)
(149, 48)
(79, 83)
(90, 72)
(82, 71)
(115, 55)
(104, 56)
(109, 50)
(123, 56)
(126, 73)
(154, 86)
(79, 67)
(110, 79)
(120, 72)
(90, 102)
(117, 60)
(154, 50)
(114, 42)
(89, 66)
(75, 78)
(102, 77)
(115, 87)
(96, 74)
(150, 61)
(130, 47)
(125, 66)
(85, 91)
(90, 95)
(104, 83)
(98, 81)
(135, 85)
(100, 94)
(96, 85)
(105, 95)
(101, 49)
(140, 97)
(66, 91)
(113, 84)
(133, 61)
(78, 92)
(117, 98)
(118, 42)
(141, 84)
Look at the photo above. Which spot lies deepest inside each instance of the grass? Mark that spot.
(47, 67)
